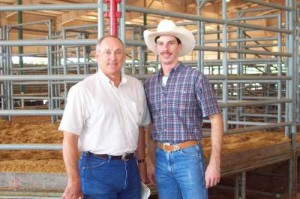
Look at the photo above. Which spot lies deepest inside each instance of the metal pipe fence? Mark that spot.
(246, 69)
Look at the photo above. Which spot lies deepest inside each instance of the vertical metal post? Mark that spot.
(85, 56)
(122, 24)
(21, 51)
(200, 36)
(113, 16)
(20, 48)
(291, 88)
(279, 66)
(78, 55)
(237, 186)
(100, 19)
(225, 66)
(142, 55)
(51, 103)
(64, 63)
(133, 55)
(142, 49)
(7, 71)
(240, 186)
(2, 63)
(240, 33)
(291, 69)
(298, 64)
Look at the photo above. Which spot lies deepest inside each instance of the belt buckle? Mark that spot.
(124, 157)
(165, 144)
(176, 147)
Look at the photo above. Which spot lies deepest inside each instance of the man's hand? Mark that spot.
(212, 175)
(70, 154)
(213, 171)
(143, 171)
(72, 192)
(150, 171)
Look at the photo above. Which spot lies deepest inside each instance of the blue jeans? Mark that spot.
(180, 174)
(109, 179)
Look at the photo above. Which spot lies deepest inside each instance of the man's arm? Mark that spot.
(70, 155)
(213, 171)
(141, 154)
(151, 146)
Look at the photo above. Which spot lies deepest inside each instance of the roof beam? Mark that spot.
(71, 16)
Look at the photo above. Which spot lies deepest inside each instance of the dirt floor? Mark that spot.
(30, 130)
(263, 183)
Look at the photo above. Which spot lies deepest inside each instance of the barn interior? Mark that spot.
(249, 49)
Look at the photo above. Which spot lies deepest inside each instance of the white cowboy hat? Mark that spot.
(168, 27)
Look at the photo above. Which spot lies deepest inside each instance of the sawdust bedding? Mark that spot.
(30, 130)
(40, 130)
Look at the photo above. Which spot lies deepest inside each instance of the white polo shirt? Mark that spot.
(106, 117)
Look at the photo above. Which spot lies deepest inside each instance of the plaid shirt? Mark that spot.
(177, 110)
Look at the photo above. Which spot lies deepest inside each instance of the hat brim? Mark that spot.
(185, 37)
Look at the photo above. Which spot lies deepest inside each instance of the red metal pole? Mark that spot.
(113, 16)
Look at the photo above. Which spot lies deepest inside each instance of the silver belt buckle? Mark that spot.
(176, 147)
(124, 157)
(165, 144)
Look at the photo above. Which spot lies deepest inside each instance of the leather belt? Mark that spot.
(175, 147)
(123, 157)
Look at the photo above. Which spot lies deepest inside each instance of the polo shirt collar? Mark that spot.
(105, 79)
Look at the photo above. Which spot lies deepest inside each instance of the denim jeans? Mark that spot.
(180, 174)
(109, 179)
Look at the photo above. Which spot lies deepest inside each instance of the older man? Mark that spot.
(104, 115)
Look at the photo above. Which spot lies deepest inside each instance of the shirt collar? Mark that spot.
(176, 68)
(105, 79)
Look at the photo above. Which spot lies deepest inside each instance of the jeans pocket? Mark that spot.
(91, 162)
(193, 151)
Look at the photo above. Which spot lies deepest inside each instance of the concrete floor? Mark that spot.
(268, 182)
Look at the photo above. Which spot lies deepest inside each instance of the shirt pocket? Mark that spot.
(185, 102)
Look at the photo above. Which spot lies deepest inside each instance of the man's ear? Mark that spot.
(180, 47)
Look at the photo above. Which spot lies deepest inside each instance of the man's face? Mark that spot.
(110, 56)
(168, 49)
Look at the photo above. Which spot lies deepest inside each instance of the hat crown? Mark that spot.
(166, 25)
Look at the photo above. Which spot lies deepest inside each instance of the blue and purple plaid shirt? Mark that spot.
(177, 110)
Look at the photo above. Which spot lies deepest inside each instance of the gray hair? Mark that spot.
(107, 36)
